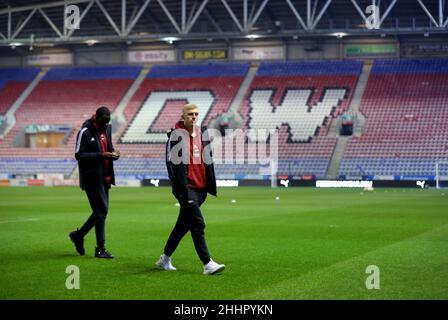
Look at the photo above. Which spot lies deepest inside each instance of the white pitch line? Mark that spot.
(19, 220)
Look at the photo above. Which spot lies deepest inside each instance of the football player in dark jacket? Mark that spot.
(95, 154)
(191, 180)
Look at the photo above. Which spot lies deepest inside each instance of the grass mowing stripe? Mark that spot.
(262, 241)
(346, 279)
(19, 220)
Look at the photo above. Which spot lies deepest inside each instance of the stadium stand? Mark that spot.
(65, 96)
(12, 83)
(404, 104)
(406, 130)
(292, 99)
(155, 106)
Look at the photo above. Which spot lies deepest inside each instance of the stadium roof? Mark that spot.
(34, 21)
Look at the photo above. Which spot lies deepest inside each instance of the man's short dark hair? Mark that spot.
(102, 111)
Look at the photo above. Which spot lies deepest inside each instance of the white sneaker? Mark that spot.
(165, 263)
(212, 267)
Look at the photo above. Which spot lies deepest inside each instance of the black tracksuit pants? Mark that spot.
(190, 219)
(99, 202)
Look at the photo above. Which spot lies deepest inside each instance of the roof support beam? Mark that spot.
(232, 15)
(123, 17)
(361, 13)
(381, 18)
(308, 14)
(231, 35)
(299, 18)
(137, 17)
(9, 23)
(185, 19)
(245, 14)
(23, 23)
(428, 13)
(106, 14)
(321, 13)
(195, 17)
(42, 6)
(257, 15)
(170, 17)
(440, 13)
(83, 14)
(387, 12)
(50, 23)
(212, 20)
(184, 14)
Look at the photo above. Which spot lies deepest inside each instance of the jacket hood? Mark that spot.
(180, 125)
(91, 124)
(88, 124)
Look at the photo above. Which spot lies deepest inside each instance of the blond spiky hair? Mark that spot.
(188, 107)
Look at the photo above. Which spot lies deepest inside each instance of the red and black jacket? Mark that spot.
(89, 153)
(178, 173)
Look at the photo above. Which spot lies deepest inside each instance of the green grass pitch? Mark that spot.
(309, 244)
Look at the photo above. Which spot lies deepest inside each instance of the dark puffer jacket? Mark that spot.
(90, 156)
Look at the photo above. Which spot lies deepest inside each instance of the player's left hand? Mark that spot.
(116, 155)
